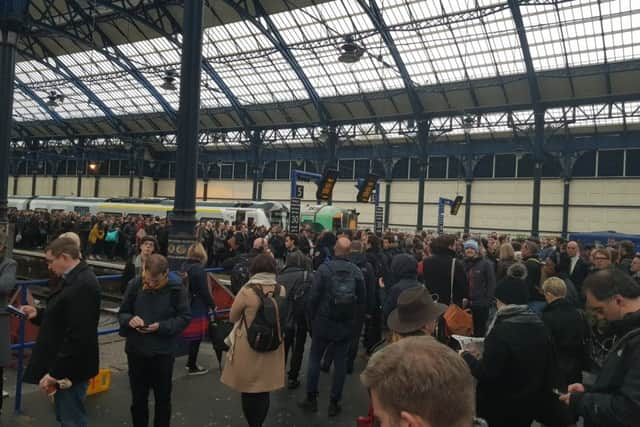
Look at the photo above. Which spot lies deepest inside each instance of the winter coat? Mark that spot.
(482, 281)
(7, 283)
(513, 372)
(614, 399)
(247, 370)
(292, 278)
(373, 299)
(319, 303)
(534, 273)
(199, 295)
(67, 345)
(437, 278)
(569, 333)
(502, 267)
(168, 306)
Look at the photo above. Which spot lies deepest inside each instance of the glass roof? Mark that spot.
(437, 41)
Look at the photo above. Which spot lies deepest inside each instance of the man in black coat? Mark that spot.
(513, 373)
(338, 289)
(534, 273)
(614, 398)
(436, 271)
(67, 345)
(577, 268)
(482, 285)
(568, 328)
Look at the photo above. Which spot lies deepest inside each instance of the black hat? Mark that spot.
(415, 308)
(512, 293)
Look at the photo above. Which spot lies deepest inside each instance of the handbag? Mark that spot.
(458, 321)
(219, 330)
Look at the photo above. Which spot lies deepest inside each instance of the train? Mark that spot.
(262, 213)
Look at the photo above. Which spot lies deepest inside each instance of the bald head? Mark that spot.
(342, 247)
(260, 243)
(572, 248)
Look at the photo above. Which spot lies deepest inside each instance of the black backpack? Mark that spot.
(299, 296)
(343, 298)
(240, 274)
(265, 332)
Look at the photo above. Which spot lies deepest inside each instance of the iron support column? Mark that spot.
(332, 159)
(155, 187)
(467, 206)
(423, 141)
(565, 207)
(132, 175)
(12, 18)
(387, 203)
(34, 180)
(15, 185)
(54, 185)
(537, 171)
(183, 220)
(96, 186)
(205, 190)
(79, 173)
(257, 166)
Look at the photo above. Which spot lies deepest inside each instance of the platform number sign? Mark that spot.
(379, 220)
(294, 216)
(300, 191)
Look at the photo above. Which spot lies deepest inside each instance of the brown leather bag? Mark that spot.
(459, 321)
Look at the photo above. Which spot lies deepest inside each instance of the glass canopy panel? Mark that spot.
(250, 65)
(26, 109)
(583, 32)
(315, 35)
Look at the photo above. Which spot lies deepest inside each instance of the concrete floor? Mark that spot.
(197, 401)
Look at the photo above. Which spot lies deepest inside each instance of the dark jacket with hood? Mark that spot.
(614, 399)
(292, 277)
(372, 290)
(436, 271)
(199, 295)
(482, 280)
(168, 306)
(534, 272)
(405, 269)
(319, 302)
(67, 345)
(569, 332)
(513, 374)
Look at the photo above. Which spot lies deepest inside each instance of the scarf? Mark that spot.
(146, 286)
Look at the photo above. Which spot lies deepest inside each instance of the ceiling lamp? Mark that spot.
(468, 121)
(169, 80)
(55, 99)
(350, 51)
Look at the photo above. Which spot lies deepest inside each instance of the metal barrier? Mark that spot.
(21, 345)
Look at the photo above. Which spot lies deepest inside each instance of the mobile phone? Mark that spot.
(558, 392)
(15, 310)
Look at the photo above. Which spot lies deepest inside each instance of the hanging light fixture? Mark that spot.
(350, 51)
(169, 80)
(55, 99)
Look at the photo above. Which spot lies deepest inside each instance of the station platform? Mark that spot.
(110, 265)
(197, 400)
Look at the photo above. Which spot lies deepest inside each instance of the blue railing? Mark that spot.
(21, 345)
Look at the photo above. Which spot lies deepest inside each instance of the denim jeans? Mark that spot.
(340, 351)
(69, 405)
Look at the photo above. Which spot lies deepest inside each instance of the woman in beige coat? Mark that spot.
(251, 373)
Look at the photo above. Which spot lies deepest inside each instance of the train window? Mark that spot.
(41, 210)
(240, 216)
(113, 214)
(240, 170)
(82, 210)
(57, 210)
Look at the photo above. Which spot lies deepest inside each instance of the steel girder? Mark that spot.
(165, 24)
(61, 69)
(84, 35)
(377, 19)
(264, 23)
(534, 90)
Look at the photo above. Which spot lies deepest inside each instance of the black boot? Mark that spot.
(334, 408)
(293, 383)
(310, 404)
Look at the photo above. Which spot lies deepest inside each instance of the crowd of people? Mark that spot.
(546, 311)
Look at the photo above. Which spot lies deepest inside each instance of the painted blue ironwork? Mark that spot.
(377, 19)
(41, 102)
(264, 23)
(245, 120)
(60, 68)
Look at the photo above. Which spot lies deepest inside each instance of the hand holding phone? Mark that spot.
(16, 311)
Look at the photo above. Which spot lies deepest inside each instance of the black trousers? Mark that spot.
(147, 373)
(295, 338)
(194, 347)
(480, 318)
(255, 407)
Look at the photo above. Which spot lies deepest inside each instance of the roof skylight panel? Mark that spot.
(26, 109)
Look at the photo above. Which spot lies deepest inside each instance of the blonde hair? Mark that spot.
(198, 252)
(555, 286)
(71, 236)
(506, 252)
